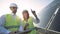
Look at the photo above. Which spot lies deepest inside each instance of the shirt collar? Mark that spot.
(13, 14)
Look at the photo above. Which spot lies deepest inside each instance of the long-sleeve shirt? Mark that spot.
(2, 22)
(35, 20)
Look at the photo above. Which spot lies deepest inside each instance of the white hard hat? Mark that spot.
(13, 5)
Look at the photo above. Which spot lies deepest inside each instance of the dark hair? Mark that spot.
(25, 11)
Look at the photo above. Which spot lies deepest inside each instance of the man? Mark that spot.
(10, 23)
(28, 21)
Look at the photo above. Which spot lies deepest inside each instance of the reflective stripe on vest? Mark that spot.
(12, 27)
(12, 24)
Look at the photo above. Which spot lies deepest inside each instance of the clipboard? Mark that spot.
(26, 31)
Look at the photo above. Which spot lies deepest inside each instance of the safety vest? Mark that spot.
(11, 23)
(30, 22)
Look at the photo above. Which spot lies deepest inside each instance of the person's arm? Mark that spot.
(21, 28)
(2, 29)
(37, 19)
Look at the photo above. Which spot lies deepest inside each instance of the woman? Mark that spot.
(28, 21)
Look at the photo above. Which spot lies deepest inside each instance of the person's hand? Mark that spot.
(33, 12)
(11, 33)
(26, 25)
(17, 31)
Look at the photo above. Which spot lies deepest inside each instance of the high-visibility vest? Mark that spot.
(30, 22)
(11, 23)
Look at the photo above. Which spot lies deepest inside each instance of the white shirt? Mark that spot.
(2, 21)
